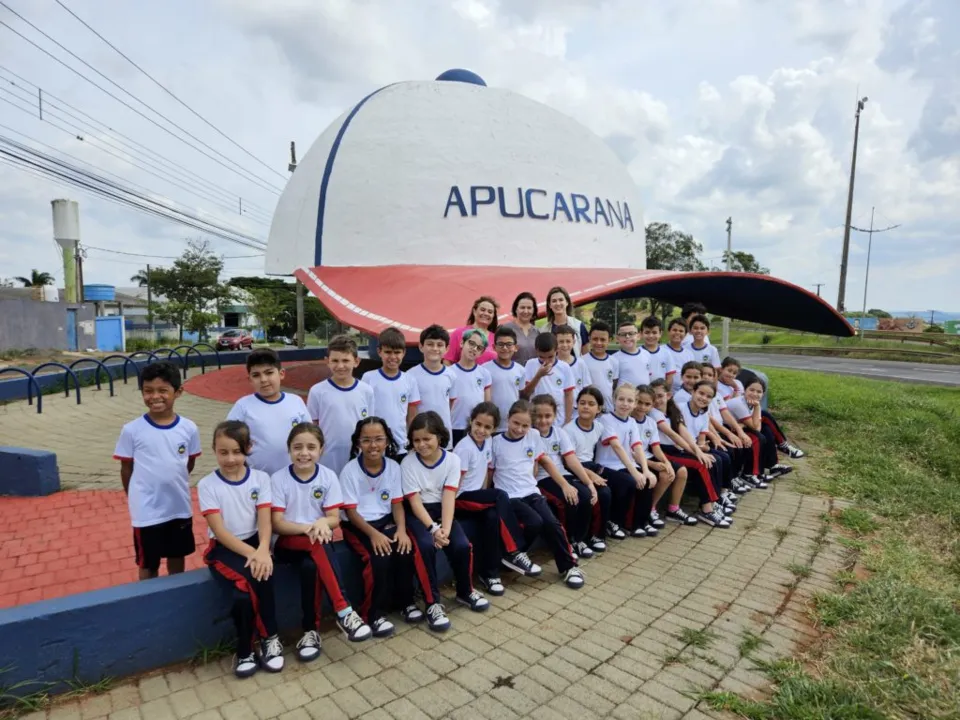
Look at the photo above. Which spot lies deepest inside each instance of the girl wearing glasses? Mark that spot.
(471, 382)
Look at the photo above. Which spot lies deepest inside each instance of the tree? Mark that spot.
(36, 279)
(267, 304)
(743, 262)
(615, 312)
(192, 288)
(669, 249)
(144, 278)
(876, 312)
(285, 323)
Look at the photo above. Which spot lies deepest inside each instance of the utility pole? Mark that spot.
(866, 279)
(846, 226)
(818, 286)
(301, 331)
(79, 259)
(931, 316)
(149, 299)
(725, 341)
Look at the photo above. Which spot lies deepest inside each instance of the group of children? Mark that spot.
(475, 460)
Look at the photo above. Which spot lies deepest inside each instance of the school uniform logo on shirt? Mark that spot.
(555, 447)
(384, 496)
(610, 375)
(403, 398)
(255, 494)
(294, 421)
(559, 382)
(529, 452)
(363, 412)
(318, 493)
(182, 449)
(516, 381)
(479, 382)
(648, 433)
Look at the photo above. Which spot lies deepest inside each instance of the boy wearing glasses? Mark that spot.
(633, 360)
(506, 376)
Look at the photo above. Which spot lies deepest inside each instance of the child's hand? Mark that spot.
(320, 531)
(598, 481)
(570, 494)
(382, 545)
(260, 564)
(707, 460)
(593, 495)
(404, 546)
(545, 369)
(651, 479)
(668, 473)
(747, 441)
(440, 539)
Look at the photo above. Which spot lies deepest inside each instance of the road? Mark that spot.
(879, 369)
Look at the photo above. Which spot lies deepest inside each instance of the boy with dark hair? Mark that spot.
(687, 312)
(689, 376)
(157, 452)
(506, 375)
(268, 412)
(435, 381)
(634, 364)
(604, 368)
(566, 344)
(658, 364)
(395, 393)
(338, 403)
(545, 374)
(677, 353)
(701, 349)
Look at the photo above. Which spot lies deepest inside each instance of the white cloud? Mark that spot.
(720, 108)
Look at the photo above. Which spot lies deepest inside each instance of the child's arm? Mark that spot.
(734, 427)
(411, 413)
(126, 472)
(694, 447)
(668, 470)
(582, 474)
(569, 492)
(754, 422)
(568, 403)
(641, 457)
(627, 462)
(447, 502)
(378, 541)
(404, 544)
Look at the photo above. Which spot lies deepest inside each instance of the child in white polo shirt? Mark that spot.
(338, 403)
(604, 367)
(395, 393)
(547, 374)
(156, 453)
(235, 501)
(268, 412)
(634, 361)
(434, 379)
(506, 375)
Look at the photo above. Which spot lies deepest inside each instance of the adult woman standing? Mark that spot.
(558, 309)
(524, 311)
(483, 316)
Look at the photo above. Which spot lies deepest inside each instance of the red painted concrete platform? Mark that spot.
(230, 384)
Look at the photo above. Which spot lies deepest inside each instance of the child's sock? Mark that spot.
(673, 508)
(346, 611)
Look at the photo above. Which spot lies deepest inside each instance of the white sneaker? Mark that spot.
(597, 544)
(574, 578)
(271, 654)
(353, 626)
(412, 614)
(520, 562)
(244, 667)
(308, 647)
(581, 549)
(475, 601)
(382, 627)
(437, 619)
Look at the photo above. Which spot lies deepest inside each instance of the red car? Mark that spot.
(235, 340)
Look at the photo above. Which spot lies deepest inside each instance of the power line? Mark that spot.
(238, 169)
(125, 159)
(24, 155)
(163, 257)
(170, 93)
(136, 147)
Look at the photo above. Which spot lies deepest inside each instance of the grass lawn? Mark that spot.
(891, 643)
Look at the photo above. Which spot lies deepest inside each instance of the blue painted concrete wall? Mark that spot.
(137, 627)
(110, 333)
(28, 473)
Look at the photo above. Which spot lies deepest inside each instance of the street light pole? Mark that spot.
(846, 226)
(725, 341)
(866, 279)
(301, 333)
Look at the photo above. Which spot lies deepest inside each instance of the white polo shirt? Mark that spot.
(697, 423)
(430, 481)
(237, 502)
(649, 435)
(555, 383)
(625, 431)
(505, 386)
(436, 390)
(634, 367)
(581, 376)
(660, 419)
(705, 355)
(474, 462)
(468, 390)
(337, 410)
(270, 422)
(556, 446)
(716, 406)
(373, 496)
(392, 396)
(739, 408)
(604, 372)
(585, 441)
(513, 462)
(160, 485)
(658, 363)
(676, 360)
(726, 391)
(304, 501)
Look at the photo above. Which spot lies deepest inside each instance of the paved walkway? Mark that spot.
(658, 621)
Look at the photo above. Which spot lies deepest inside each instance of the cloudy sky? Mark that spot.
(719, 108)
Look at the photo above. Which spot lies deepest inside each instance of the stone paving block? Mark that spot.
(316, 684)
(474, 643)
(154, 687)
(265, 704)
(418, 672)
(351, 703)
(547, 678)
(339, 675)
(186, 703)
(641, 706)
(571, 709)
(292, 694)
(382, 654)
(515, 700)
(130, 713)
(491, 708)
(213, 693)
(375, 692)
(451, 692)
(238, 710)
(298, 714)
(466, 712)
(363, 665)
(95, 706)
(586, 697)
(158, 709)
(429, 703)
(208, 715)
(456, 653)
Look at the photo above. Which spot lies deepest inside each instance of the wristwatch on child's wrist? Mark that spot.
(433, 528)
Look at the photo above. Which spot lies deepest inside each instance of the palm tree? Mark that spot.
(36, 279)
(142, 278)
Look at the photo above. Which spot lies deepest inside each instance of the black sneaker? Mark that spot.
(520, 562)
(308, 647)
(494, 585)
(779, 470)
(651, 531)
(680, 516)
(739, 486)
(755, 482)
(714, 518)
(271, 654)
(437, 619)
(475, 601)
(597, 544)
(615, 531)
(638, 532)
(244, 667)
(382, 627)
(353, 626)
(581, 549)
(412, 614)
(574, 578)
(656, 520)
(792, 450)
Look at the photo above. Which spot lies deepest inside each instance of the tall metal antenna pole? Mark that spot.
(866, 280)
(846, 227)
